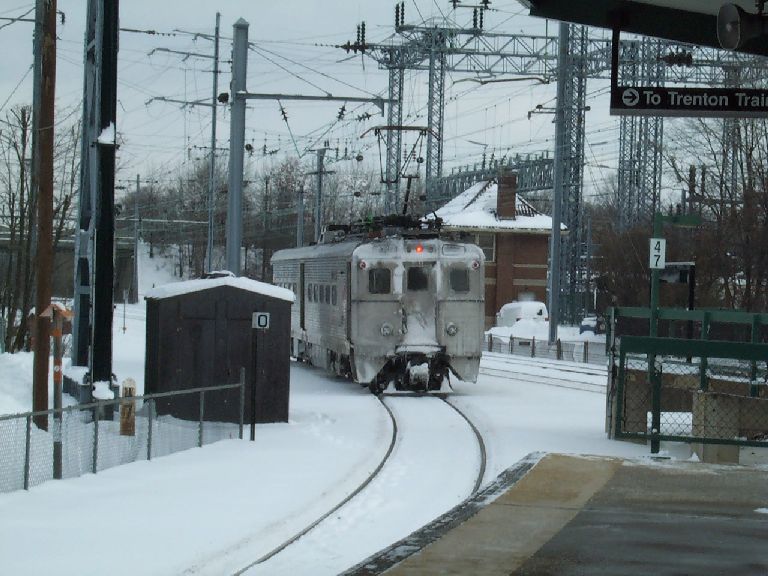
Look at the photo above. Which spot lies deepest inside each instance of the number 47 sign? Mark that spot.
(658, 253)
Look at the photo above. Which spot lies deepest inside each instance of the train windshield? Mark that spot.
(418, 279)
(379, 280)
(459, 279)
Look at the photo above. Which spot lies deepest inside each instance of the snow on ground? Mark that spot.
(216, 509)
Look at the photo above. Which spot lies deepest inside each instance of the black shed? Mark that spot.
(199, 334)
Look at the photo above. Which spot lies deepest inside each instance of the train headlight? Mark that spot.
(386, 329)
(451, 329)
(475, 264)
(363, 265)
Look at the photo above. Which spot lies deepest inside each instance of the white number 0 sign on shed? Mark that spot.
(260, 320)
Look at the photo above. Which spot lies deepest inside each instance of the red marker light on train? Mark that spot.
(419, 248)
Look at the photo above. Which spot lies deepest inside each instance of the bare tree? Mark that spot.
(17, 213)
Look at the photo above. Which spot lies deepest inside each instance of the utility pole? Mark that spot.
(94, 243)
(559, 184)
(237, 147)
(264, 220)
(134, 295)
(212, 173)
(300, 218)
(212, 104)
(319, 194)
(104, 233)
(45, 51)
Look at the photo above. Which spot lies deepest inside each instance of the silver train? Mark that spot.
(398, 311)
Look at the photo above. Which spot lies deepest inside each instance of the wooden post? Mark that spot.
(57, 314)
(128, 409)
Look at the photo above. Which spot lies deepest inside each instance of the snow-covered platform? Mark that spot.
(569, 515)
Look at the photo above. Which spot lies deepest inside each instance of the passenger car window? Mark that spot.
(327, 298)
(333, 295)
(459, 279)
(418, 280)
(309, 292)
(379, 281)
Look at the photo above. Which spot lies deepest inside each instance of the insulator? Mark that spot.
(474, 17)
(362, 33)
(481, 19)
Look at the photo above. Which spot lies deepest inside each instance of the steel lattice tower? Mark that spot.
(640, 137)
(575, 78)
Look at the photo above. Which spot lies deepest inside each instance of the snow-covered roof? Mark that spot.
(178, 288)
(475, 209)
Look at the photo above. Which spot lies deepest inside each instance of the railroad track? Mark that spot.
(527, 378)
(394, 438)
(558, 366)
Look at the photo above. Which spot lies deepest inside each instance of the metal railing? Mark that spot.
(704, 392)
(67, 442)
(584, 352)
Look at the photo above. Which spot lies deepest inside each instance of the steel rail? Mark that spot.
(272, 553)
(480, 442)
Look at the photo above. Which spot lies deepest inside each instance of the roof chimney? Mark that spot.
(506, 197)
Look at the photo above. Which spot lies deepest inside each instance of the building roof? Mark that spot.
(475, 209)
(189, 286)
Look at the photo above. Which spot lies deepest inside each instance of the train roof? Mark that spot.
(345, 248)
(340, 249)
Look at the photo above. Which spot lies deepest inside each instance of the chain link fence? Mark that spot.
(720, 397)
(65, 443)
(584, 352)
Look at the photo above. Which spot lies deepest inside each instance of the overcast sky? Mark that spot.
(292, 53)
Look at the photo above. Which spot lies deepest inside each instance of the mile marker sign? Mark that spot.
(658, 253)
(260, 320)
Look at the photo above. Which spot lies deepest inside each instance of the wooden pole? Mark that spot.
(46, 15)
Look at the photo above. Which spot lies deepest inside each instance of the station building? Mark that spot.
(514, 237)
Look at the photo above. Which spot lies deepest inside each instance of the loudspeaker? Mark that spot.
(735, 26)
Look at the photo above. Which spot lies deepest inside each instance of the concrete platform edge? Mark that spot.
(402, 549)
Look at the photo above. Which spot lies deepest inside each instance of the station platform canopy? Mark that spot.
(687, 21)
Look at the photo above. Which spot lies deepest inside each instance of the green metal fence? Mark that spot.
(696, 391)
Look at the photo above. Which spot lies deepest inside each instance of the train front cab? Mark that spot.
(418, 312)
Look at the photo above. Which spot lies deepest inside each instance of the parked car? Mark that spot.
(592, 323)
(520, 310)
